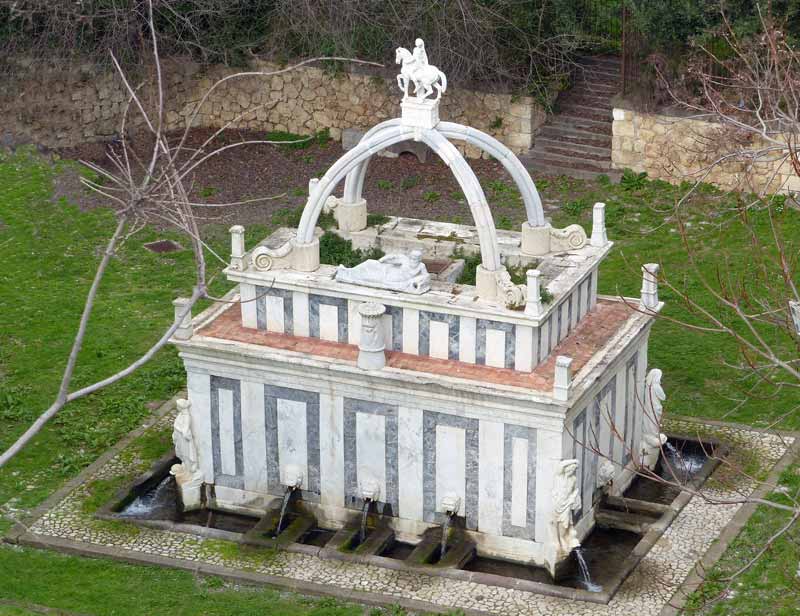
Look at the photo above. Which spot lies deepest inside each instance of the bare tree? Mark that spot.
(147, 189)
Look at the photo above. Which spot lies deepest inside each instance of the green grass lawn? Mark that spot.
(49, 252)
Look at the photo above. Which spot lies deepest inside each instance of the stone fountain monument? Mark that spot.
(497, 405)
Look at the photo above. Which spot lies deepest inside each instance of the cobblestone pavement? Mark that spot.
(645, 592)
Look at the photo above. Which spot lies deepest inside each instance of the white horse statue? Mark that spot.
(424, 76)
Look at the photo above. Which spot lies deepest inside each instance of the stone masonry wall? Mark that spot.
(57, 108)
(678, 149)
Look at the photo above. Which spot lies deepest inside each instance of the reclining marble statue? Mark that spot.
(397, 272)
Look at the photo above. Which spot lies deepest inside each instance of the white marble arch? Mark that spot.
(384, 136)
(354, 182)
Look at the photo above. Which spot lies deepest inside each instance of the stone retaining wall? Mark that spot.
(57, 108)
(679, 149)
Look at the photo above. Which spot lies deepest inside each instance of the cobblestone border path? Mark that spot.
(61, 523)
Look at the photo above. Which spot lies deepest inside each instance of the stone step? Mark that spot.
(596, 166)
(571, 122)
(573, 136)
(544, 148)
(620, 520)
(586, 112)
(577, 147)
(584, 99)
(621, 503)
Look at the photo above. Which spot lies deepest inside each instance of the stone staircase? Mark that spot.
(576, 140)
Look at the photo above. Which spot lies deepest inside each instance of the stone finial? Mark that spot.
(533, 305)
(794, 309)
(599, 236)
(371, 345)
(237, 247)
(563, 378)
(183, 317)
(650, 285)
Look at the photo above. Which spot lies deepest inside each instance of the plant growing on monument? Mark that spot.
(148, 181)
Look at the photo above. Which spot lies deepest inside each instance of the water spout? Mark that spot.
(586, 577)
(287, 496)
(362, 533)
(445, 532)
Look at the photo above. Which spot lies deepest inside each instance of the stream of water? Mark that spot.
(586, 576)
(287, 496)
(362, 533)
(158, 503)
(687, 463)
(445, 532)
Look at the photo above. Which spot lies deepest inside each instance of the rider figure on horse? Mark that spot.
(420, 56)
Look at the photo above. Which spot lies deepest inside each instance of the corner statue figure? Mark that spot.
(415, 69)
(396, 272)
(566, 499)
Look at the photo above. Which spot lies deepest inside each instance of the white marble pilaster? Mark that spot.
(300, 313)
(254, 442)
(248, 295)
(409, 447)
(411, 331)
(466, 340)
(439, 339)
(329, 322)
(548, 455)
(292, 440)
(523, 350)
(451, 465)
(199, 393)
(519, 485)
(495, 348)
(490, 478)
(331, 454)
(275, 321)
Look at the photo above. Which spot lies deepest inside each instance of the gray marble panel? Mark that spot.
(589, 292)
(559, 315)
(579, 453)
(480, 341)
(631, 370)
(608, 415)
(540, 350)
(272, 394)
(591, 446)
(396, 314)
(288, 307)
(425, 318)
(431, 419)
(314, 301)
(569, 313)
(353, 499)
(509, 433)
(232, 385)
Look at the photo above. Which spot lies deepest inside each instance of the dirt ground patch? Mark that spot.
(400, 186)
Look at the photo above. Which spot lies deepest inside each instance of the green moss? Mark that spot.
(335, 250)
(376, 220)
(101, 491)
(120, 528)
